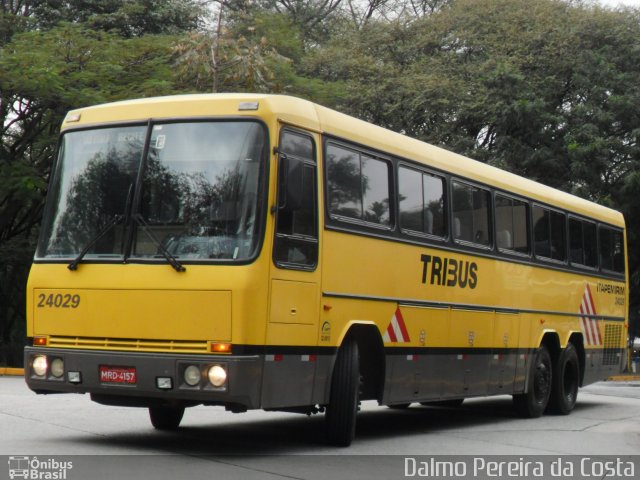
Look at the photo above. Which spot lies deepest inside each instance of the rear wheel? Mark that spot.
(399, 406)
(533, 403)
(166, 418)
(566, 380)
(343, 399)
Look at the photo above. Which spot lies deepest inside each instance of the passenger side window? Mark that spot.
(582, 243)
(422, 204)
(357, 186)
(296, 242)
(470, 214)
(512, 225)
(611, 250)
(549, 233)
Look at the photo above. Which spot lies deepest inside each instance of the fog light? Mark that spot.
(57, 367)
(39, 365)
(74, 377)
(217, 376)
(192, 375)
(164, 383)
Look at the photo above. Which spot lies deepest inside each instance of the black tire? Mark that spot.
(399, 406)
(533, 403)
(343, 398)
(166, 418)
(444, 403)
(566, 380)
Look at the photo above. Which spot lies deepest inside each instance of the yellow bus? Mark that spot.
(264, 252)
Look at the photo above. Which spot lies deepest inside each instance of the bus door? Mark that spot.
(292, 330)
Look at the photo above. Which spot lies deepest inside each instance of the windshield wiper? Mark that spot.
(112, 223)
(173, 261)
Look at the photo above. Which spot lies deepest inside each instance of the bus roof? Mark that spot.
(306, 114)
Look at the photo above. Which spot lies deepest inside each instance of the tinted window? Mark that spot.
(357, 186)
(296, 242)
(471, 214)
(576, 247)
(199, 195)
(582, 243)
(511, 224)
(421, 202)
(558, 236)
(590, 244)
(542, 244)
(375, 190)
(611, 250)
(200, 190)
(549, 233)
(344, 182)
(93, 182)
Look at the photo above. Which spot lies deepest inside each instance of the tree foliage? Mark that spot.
(48, 67)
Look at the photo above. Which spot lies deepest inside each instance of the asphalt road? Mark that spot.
(111, 442)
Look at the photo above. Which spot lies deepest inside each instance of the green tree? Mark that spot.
(127, 18)
(234, 54)
(43, 74)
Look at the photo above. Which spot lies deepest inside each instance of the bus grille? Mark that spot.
(612, 339)
(174, 346)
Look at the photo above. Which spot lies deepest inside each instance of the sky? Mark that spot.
(614, 3)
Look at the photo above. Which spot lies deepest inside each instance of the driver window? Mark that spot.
(296, 242)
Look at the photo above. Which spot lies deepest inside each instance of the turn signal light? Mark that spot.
(221, 347)
(40, 341)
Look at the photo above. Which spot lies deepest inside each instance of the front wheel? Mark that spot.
(166, 418)
(343, 398)
(533, 403)
(566, 380)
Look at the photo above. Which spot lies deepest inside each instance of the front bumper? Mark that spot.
(241, 391)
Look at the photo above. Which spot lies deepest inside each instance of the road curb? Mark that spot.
(7, 371)
(624, 378)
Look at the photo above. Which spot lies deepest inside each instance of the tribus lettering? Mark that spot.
(448, 272)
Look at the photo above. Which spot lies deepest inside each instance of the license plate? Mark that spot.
(122, 375)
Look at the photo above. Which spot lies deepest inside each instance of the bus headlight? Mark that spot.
(39, 365)
(192, 375)
(57, 367)
(217, 376)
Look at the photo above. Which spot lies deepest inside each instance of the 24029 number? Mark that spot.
(58, 300)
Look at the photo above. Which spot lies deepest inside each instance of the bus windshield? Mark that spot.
(190, 189)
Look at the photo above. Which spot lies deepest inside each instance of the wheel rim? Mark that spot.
(542, 382)
(570, 383)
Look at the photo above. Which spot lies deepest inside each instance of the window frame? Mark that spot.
(582, 265)
(299, 238)
(262, 192)
(370, 154)
(529, 232)
(490, 220)
(550, 210)
(612, 231)
(445, 198)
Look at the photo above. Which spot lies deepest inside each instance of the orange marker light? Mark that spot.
(40, 341)
(221, 347)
